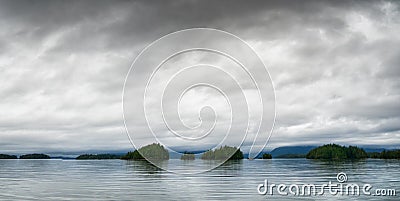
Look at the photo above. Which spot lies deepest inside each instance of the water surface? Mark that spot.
(137, 180)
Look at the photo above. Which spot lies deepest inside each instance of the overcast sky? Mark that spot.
(335, 67)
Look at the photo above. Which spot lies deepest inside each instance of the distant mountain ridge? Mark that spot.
(303, 150)
(369, 150)
(291, 150)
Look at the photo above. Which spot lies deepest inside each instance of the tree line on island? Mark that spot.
(188, 156)
(26, 156)
(337, 152)
(324, 152)
(6, 156)
(152, 152)
(392, 154)
(97, 157)
(223, 153)
(157, 152)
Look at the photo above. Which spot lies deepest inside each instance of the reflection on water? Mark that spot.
(139, 180)
(143, 167)
(230, 168)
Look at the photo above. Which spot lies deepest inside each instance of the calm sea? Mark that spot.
(135, 180)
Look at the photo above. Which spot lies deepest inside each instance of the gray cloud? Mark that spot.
(335, 66)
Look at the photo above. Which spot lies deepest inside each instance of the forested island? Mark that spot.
(223, 153)
(266, 156)
(336, 152)
(97, 157)
(135, 155)
(188, 156)
(34, 156)
(152, 152)
(291, 156)
(6, 156)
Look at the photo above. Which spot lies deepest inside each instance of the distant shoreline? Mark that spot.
(289, 152)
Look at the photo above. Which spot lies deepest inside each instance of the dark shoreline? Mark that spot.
(384, 154)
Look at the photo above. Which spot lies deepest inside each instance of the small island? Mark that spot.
(97, 157)
(34, 156)
(6, 156)
(337, 152)
(152, 152)
(223, 153)
(135, 155)
(188, 156)
(291, 156)
(266, 156)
